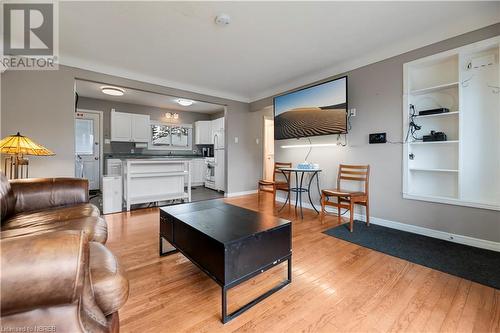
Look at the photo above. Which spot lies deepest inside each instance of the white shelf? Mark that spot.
(444, 114)
(451, 201)
(446, 171)
(434, 170)
(434, 88)
(433, 142)
(158, 197)
(158, 174)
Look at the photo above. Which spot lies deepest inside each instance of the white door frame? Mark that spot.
(264, 118)
(101, 140)
(226, 148)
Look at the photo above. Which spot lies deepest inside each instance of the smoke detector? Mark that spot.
(222, 19)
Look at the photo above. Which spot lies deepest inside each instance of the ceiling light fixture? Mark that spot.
(113, 91)
(184, 102)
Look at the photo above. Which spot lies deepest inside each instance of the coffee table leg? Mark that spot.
(225, 317)
(228, 317)
(166, 253)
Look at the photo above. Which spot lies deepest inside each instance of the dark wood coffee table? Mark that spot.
(229, 243)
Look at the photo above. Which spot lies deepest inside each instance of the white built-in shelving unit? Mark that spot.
(465, 169)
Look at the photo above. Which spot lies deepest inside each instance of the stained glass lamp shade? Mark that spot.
(19, 146)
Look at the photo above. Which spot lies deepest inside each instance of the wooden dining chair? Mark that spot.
(272, 186)
(346, 198)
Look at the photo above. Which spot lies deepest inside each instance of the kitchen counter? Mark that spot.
(176, 159)
(142, 156)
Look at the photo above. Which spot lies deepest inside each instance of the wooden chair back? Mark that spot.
(277, 171)
(360, 173)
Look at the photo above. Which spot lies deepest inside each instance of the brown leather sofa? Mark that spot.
(56, 273)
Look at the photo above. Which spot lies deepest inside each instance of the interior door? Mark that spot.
(87, 148)
(268, 148)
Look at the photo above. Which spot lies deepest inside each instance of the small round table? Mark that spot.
(299, 189)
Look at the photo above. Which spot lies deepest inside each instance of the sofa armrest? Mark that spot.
(42, 193)
(42, 270)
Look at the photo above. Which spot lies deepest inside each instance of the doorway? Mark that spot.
(268, 158)
(88, 147)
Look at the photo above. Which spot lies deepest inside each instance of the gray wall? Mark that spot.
(376, 93)
(40, 104)
(157, 114)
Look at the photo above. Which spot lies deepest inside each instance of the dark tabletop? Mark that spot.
(223, 222)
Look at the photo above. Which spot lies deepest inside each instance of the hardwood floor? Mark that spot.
(337, 287)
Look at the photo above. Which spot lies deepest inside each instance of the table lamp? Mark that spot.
(18, 146)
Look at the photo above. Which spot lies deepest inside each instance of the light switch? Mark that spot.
(257, 141)
(236, 139)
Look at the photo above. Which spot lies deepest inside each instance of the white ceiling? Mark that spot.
(133, 96)
(269, 47)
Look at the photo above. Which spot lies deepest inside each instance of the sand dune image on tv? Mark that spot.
(310, 121)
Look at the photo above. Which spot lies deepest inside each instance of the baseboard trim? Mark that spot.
(238, 194)
(465, 240)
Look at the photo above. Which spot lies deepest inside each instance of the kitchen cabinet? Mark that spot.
(198, 174)
(140, 128)
(218, 124)
(129, 127)
(203, 132)
(198, 171)
(121, 126)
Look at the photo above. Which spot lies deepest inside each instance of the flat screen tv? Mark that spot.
(312, 111)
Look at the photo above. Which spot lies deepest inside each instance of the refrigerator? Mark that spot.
(219, 157)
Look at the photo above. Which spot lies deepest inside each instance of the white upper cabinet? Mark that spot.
(129, 127)
(121, 126)
(218, 124)
(140, 128)
(203, 132)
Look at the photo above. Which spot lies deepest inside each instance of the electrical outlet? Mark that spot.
(257, 140)
(353, 112)
(236, 139)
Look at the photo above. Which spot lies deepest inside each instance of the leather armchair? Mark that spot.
(46, 283)
(55, 270)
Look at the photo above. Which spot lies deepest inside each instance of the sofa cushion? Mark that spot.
(108, 281)
(56, 214)
(7, 198)
(94, 227)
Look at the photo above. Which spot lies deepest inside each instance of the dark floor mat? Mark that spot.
(472, 263)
